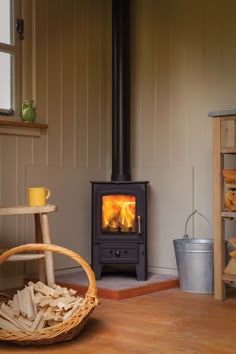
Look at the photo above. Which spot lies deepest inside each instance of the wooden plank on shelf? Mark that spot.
(229, 278)
(228, 214)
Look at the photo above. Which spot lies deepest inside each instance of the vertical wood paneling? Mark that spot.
(94, 58)
(195, 81)
(148, 72)
(24, 158)
(213, 50)
(27, 51)
(103, 64)
(68, 83)
(40, 146)
(9, 187)
(135, 83)
(81, 83)
(178, 82)
(163, 83)
(228, 53)
(108, 53)
(54, 83)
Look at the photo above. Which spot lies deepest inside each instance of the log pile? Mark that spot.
(231, 266)
(38, 306)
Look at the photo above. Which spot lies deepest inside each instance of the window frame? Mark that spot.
(15, 49)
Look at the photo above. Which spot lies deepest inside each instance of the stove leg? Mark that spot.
(98, 271)
(141, 272)
(141, 267)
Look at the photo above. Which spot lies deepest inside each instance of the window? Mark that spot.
(11, 37)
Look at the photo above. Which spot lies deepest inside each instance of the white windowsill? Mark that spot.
(19, 128)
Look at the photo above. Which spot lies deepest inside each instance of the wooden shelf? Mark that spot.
(229, 278)
(228, 214)
(15, 127)
(23, 124)
(231, 150)
(224, 142)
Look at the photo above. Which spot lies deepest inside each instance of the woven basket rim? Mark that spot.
(58, 332)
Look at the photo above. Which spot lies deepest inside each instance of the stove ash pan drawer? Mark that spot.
(119, 253)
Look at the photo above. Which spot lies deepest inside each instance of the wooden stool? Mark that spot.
(42, 235)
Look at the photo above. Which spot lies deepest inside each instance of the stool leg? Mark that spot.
(39, 239)
(48, 255)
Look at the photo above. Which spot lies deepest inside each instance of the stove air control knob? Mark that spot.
(117, 253)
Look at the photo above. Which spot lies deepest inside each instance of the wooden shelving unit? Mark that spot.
(224, 142)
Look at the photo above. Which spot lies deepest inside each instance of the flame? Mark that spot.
(118, 213)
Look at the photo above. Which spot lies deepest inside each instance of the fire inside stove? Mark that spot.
(118, 213)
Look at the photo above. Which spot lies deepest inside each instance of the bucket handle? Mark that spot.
(186, 224)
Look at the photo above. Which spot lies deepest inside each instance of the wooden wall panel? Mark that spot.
(135, 83)
(212, 55)
(108, 53)
(24, 158)
(27, 51)
(104, 63)
(228, 53)
(54, 83)
(163, 78)
(148, 82)
(94, 58)
(68, 82)
(9, 190)
(82, 25)
(195, 82)
(40, 146)
(178, 95)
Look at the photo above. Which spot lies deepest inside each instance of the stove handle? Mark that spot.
(139, 224)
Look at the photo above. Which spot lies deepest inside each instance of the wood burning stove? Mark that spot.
(119, 207)
(119, 225)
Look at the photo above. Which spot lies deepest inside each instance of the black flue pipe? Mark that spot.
(121, 90)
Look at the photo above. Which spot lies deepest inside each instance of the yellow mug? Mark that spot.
(38, 196)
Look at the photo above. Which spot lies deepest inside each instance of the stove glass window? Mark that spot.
(118, 213)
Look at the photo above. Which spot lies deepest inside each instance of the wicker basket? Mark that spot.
(63, 331)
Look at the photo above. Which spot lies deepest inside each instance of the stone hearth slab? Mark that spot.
(117, 286)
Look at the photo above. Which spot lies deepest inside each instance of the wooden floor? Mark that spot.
(170, 321)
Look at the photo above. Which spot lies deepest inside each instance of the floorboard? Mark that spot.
(170, 321)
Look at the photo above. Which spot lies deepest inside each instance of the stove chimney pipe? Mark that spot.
(121, 90)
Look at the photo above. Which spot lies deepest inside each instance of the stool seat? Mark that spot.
(25, 209)
(42, 235)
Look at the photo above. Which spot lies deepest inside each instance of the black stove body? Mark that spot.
(119, 225)
(119, 207)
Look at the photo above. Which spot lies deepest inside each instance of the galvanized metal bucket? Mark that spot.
(195, 263)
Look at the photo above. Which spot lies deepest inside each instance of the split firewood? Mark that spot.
(16, 305)
(7, 313)
(8, 326)
(37, 320)
(231, 244)
(45, 290)
(38, 306)
(231, 267)
(230, 200)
